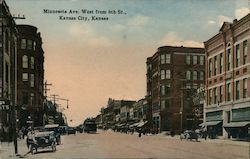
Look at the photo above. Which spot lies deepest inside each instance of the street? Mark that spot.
(108, 144)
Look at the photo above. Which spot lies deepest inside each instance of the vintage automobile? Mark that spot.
(71, 130)
(189, 135)
(56, 129)
(41, 140)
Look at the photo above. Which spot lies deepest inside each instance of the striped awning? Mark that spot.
(210, 123)
(236, 124)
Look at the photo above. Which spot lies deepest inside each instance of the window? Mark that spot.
(244, 52)
(210, 67)
(167, 103)
(25, 98)
(188, 86)
(195, 86)
(25, 61)
(195, 60)
(201, 60)
(168, 74)
(149, 67)
(34, 45)
(25, 77)
(168, 58)
(162, 74)
(237, 90)
(32, 62)
(228, 92)
(201, 75)
(167, 88)
(210, 96)
(29, 44)
(237, 55)
(163, 104)
(7, 42)
(228, 59)
(221, 93)
(188, 59)
(188, 75)
(215, 95)
(23, 43)
(244, 88)
(195, 75)
(215, 65)
(32, 80)
(163, 59)
(163, 91)
(32, 99)
(221, 62)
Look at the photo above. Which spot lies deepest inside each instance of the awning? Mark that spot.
(120, 125)
(134, 125)
(236, 124)
(210, 123)
(141, 124)
(51, 126)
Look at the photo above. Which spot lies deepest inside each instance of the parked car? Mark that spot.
(41, 140)
(55, 128)
(71, 130)
(189, 135)
(80, 128)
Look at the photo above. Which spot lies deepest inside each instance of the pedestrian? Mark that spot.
(140, 132)
(205, 134)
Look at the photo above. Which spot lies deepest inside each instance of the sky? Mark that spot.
(91, 61)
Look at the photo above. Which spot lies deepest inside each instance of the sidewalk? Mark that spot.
(7, 149)
(218, 140)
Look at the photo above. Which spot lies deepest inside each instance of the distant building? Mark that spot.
(173, 73)
(117, 111)
(30, 61)
(8, 54)
(227, 110)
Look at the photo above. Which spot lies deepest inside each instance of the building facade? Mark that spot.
(30, 77)
(173, 73)
(227, 110)
(8, 56)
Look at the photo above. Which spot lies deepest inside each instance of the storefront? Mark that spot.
(238, 127)
(214, 123)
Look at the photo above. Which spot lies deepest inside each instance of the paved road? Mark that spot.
(116, 145)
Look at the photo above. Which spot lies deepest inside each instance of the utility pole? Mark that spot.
(45, 98)
(46, 89)
(54, 98)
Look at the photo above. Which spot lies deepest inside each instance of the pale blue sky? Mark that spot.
(88, 62)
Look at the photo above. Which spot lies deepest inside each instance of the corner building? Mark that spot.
(173, 73)
(227, 109)
(8, 55)
(30, 76)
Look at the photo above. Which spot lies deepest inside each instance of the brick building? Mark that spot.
(30, 76)
(8, 53)
(227, 110)
(173, 73)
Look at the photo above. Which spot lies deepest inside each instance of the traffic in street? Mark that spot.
(110, 144)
